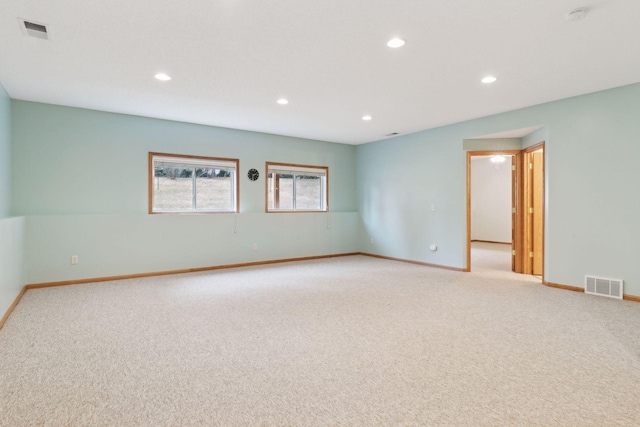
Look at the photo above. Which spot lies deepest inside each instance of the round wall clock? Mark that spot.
(253, 174)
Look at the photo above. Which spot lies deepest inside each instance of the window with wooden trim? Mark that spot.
(297, 188)
(192, 184)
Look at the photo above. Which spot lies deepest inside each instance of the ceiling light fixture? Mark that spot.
(366, 118)
(488, 80)
(577, 14)
(498, 160)
(282, 101)
(162, 77)
(395, 43)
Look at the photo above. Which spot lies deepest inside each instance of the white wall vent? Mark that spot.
(605, 287)
(34, 29)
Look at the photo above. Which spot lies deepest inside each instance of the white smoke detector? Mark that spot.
(577, 14)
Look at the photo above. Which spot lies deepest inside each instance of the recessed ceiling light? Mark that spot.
(489, 79)
(282, 101)
(366, 118)
(396, 42)
(162, 76)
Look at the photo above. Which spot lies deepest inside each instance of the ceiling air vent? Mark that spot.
(603, 287)
(34, 29)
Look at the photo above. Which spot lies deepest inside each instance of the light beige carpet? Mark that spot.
(352, 341)
(490, 257)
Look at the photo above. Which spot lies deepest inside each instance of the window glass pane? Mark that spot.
(182, 183)
(296, 187)
(172, 188)
(284, 186)
(214, 189)
(270, 191)
(308, 192)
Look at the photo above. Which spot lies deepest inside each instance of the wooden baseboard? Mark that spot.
(426, 264)
(12, 306)
(250, 264)
(491, 241)
(633, 298)
(565, 287)
(578, 289)
(181, 271)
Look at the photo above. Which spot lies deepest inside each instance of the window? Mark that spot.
(296, 188)
(183, 184)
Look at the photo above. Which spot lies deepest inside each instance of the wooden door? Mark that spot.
(537, 205)
(514, 217)
(517, 208)
(533, 211)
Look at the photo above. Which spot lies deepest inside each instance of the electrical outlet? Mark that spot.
(74, 259)
(372, 241)
(255, 246)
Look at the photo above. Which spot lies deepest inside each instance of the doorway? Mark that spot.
(527, 208)
(490, 229)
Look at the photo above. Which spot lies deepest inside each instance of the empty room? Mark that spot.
(319, 213)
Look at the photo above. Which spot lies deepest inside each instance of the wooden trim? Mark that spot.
(425, 264)
(526, 216)
(541, 145)
(150, 177)
(627, 297)
(181, 271)
(296, 165)
(518, 225)
(467, 267)
(512, 205)
(276, 195)
(534, 147)
(527, 223)
(491, 241)
(251, 264)
(565, 287)
(188, 156)
(12, 306)
(266, 187)
(291, 211)
(493, 153)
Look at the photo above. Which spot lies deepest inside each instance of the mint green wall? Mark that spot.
(591, 151)
(12, 230)
(5, 154)
(12, 260)
(536, 137)
(112, 245)
(75, 161)
(492, 144)
(80, 178)
(92, 200)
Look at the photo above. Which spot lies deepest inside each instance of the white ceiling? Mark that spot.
(232, 59)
